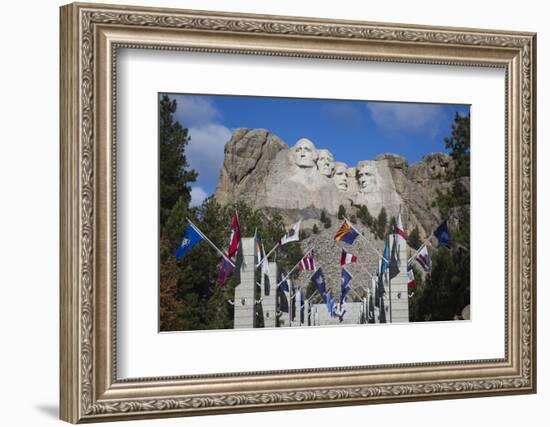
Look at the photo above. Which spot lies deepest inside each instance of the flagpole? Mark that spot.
(267, 255)
(210, 242)
(367, 240)
(294, 268)
(356, 294)
(389, 284)
(290, 303)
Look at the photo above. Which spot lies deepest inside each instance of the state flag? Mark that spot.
(235, 238)
(307, 263)
(423, 258)
(399, 230)
(226, 269)
(265, 263)
(346, 233)
(191, 236)
(385, 258)
(442, 234)
(395, 262)
(318, 280)
(293, 235)
(411, 283)
(282, 299)
(347, 258)
(346, 279)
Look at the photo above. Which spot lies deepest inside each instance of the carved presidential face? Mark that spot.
(340, 176)
(366, 175)
(325, 162)
(304, 153)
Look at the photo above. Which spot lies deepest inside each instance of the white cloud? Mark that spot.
(417, 118)
(347, 113)
(195, 110)
(197, 196)
(205, 152)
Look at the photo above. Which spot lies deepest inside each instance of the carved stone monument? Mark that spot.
(262, 171)
(341, 177)
(325, 162)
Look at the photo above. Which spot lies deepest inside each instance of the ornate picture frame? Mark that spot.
(90, 37)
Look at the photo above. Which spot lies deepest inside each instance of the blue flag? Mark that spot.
(327, 296)
(330, 307)
(284, 284)
(346, 278)
(395, 262)
(282, 300)
(385, 265)
(442, 234)
(319, 281)
(190, 238)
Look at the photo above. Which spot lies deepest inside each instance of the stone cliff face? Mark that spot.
(248, 159)
(261, 170)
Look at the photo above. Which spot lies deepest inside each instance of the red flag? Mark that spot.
(411, 283)
(235, 238)
(307, 263)
(399, 228)
(226, 268)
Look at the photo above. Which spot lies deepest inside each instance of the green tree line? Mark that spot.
(446, 290)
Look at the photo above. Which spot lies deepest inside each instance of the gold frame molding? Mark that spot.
(90, 36)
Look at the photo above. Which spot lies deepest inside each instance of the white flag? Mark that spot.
(423, 258)
(293, 234)
(265, 263)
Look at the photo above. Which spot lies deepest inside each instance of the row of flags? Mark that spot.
(389, 262)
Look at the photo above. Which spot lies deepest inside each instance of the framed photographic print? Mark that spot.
(266, 212)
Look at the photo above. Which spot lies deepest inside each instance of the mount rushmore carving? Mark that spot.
(261, 170)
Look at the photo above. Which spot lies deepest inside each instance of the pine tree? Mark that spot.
(391, 226)
(175, 174)
(341, 212)
(459, 144)
(446, 290)
(175, 195)
(381, 224)
(364, 216)
(168, 291)
(414, 238)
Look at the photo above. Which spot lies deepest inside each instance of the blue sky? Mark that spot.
(351, 130)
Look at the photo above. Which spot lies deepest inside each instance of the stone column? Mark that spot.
(269, 299)
(399, 291)
(306, 311)
(244, 291)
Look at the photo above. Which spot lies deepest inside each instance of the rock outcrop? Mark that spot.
(261, 170)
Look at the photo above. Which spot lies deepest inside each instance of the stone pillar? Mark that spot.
(297, 322)
(399, 290)
(269, 299)
(244, 291)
